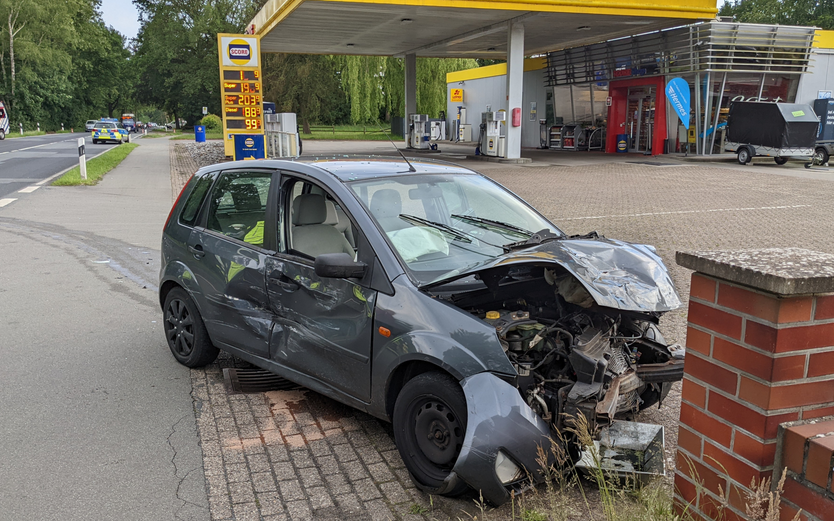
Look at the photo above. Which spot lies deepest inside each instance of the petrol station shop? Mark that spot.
(611, 96)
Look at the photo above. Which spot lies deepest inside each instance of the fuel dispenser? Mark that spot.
(491, 142)
(419, 130)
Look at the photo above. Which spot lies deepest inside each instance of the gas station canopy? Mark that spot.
(459, 28)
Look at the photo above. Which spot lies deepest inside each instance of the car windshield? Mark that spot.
(440, 225)
(105, 125)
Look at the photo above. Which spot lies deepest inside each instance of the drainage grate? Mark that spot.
(240, 380)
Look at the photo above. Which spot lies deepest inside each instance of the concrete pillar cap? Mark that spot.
(783, 271)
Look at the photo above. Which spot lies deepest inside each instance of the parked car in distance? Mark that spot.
(89, 125)
(424, 294)
(104, 131)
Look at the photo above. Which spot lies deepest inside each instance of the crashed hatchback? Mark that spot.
(426, 295)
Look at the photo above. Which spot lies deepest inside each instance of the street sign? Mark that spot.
(205, 111)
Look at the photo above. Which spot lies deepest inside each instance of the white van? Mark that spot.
(4, 121)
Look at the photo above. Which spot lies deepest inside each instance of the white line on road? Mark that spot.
(4, 202)
(29, 189)
(680, 212)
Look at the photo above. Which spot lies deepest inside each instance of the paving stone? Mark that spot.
(220, 507)
(280, 517)
(349, 424)
(369, 454)
(345, 453)
(278, 453)
(291, 490)
(319, 498)
(381, 473)
(242, 492)
(350, 504)
(258, 463)
(319, 447)
(394, 492)
(263, 482)
(335, 437)
(213, 465)
(327, 465)
(311, 478)
(233, 456)
(404, 478)
(217, 486)
(266, 423)
(366, 489)
(312, 433)
(236, 473)
(354, 470)
(393, 458)
(270, 503)
(299, 511)
(295, 441)
(358, 438)
(379, 511)
(284, 471)
(249, 431)
(302, 458)
(246, 512)
(338, 484)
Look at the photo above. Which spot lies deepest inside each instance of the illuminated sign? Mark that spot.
(241, 90)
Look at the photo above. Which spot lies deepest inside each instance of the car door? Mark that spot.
(322, 325)
(230, 253)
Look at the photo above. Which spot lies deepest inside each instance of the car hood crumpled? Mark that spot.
(617, 274)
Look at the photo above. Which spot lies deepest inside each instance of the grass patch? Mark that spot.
(350, 133)
(28, 133)
(96, 167)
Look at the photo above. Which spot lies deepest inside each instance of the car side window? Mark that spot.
(317, 222)
(238, 206)
(195, 200)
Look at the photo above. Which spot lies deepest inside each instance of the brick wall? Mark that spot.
(806, 448)
(755, 358)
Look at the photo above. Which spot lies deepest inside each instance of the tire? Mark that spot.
(820, 156)
(431, 403)
(744, 155)
(780, 160)
(2, 134)
(95, 141)
(185, 332)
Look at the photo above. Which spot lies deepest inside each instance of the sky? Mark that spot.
(122, 15)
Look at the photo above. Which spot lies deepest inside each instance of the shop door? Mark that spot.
(640, 118)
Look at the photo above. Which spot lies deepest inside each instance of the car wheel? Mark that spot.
(95, 141)
(780, 160)
(186, 334)
(2, 134)
(429, 428)
(744, 155)
(820, 156)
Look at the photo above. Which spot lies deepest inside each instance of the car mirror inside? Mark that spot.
(339, 265)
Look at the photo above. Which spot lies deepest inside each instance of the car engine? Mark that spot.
(573, 356)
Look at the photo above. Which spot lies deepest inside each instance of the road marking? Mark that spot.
(30, 148)
(4, 202)
(681, 212)
(29, 189)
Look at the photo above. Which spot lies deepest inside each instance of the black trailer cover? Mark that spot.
(776, 125)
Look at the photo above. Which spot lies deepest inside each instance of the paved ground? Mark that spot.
(92, 402)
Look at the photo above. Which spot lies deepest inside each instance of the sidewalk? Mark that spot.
(97, 419)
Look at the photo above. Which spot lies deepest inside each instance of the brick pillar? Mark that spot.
(760, 352)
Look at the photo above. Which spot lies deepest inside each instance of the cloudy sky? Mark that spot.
(122, 15)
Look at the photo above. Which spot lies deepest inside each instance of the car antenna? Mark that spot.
(400, 152)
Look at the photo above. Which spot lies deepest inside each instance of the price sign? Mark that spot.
(241, 89)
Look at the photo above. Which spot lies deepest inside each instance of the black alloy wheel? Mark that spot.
(429, 428)
(184, 329)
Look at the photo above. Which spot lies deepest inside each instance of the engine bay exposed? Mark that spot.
(571, 355)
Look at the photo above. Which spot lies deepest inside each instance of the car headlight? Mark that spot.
(506, 469)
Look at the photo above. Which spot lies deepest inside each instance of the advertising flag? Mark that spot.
(677, 92)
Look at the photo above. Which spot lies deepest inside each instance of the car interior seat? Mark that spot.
(337, 218)
(311, 236)
(386, 207)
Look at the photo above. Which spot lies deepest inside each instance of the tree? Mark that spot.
(785, 12)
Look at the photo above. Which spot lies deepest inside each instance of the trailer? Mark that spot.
(777, 130)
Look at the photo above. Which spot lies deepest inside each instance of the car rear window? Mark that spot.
(195, 200)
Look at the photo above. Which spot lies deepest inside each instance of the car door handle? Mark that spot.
(283, 281)
(197, 250)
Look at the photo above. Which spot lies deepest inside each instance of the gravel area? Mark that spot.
(303, 456)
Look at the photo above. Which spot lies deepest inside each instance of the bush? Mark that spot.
(211, 122)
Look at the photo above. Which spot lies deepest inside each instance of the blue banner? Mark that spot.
(249, 146)
(677, 92)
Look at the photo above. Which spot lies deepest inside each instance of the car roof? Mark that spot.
(361, 168)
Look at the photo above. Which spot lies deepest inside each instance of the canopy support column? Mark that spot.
(515, 85)
(410, 91)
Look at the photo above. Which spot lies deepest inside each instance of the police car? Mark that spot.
(4, 121)
(106, 131)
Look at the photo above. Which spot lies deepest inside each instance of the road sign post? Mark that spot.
(82, 158)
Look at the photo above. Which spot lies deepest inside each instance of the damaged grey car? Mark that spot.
(426, 295)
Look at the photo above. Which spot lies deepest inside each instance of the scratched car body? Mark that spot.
(425, 295)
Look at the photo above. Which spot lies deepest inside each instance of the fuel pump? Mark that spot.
(490, 137)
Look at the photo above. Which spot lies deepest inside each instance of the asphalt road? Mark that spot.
(26, 161)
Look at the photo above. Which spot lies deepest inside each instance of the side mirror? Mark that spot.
(339, 265)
